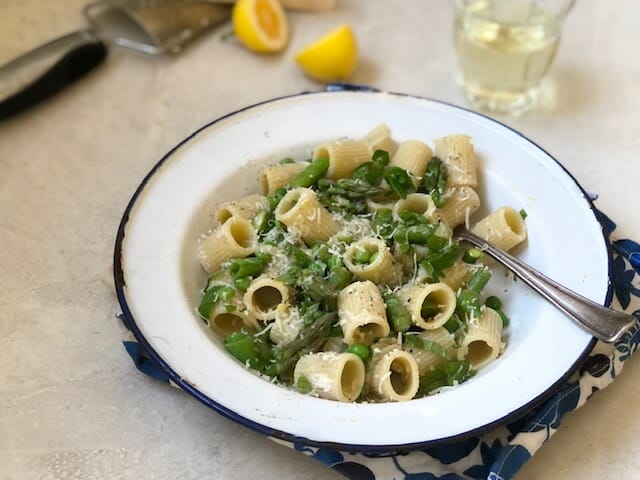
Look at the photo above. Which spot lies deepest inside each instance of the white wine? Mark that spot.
(505, 48)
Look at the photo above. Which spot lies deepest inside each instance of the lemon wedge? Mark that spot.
(261, 25)
(332, 57)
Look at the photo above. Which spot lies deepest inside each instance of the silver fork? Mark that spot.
(603, 323)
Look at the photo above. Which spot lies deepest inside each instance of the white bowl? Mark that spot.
(159, 280)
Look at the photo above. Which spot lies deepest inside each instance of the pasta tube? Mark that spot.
(344, 156)
(482, 344)
(380, 139)
(504, 228)
(226, 323)
(246, 208)
(371, 259)
(430, 305)
(286, 326)
(235, 238)
(330, 375)
(362, 314)
(394, 374)
(301, 211)
(273, 177)
(427, 359)
(415, 202)
(413, 156)
(456, 151)
(456, 275)
(459, 204)
(263, 297)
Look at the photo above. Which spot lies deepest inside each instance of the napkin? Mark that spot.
(499, 453)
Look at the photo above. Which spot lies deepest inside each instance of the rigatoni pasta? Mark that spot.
(335, 376)
(412, 156)
(361, 313)
(301, 211)
(344, 156)
(273, 177)
(344, 281)
(246, 208)
(457, 153)
(235, 238)
(503, 228)
(379, 138)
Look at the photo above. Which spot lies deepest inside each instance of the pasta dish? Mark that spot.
(343, 280)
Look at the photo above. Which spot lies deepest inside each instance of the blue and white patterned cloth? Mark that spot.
(499, 453)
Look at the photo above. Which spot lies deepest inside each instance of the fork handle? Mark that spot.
(603, 323)
(42, 72)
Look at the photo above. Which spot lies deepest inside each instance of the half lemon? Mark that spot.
(332, 57)
(261, 25)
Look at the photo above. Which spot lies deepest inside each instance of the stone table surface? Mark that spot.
(72, 405)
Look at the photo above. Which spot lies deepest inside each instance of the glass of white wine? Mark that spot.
(505, 48)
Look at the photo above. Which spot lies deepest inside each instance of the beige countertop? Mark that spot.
(72, 405)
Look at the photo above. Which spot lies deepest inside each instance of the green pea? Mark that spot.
(361, 257)
(361, 350)
(493, 302)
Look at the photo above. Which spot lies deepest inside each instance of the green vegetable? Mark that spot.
(318, 268)
(361, 350)
(287, 160)
(300, 259)
(308, 340)
(382, 223)
(312, 173)
(209, 299)
(242, 284)
(321, 251)
(453, 324)
(468, 302)
(399, 181)
(419, 234)
(416, 342)
(410, 218)
(434, 181)
(339, 277)
(304, 385)
(493, 302)
(523, 213)
(335, 261)
(361, 257)
(397, 313)
(372, 172)
(245, 267)
(472, 255)
(446, 375)
(226, 293)
(444, 258)
(479, 279)
(503, 317)
(241, 345)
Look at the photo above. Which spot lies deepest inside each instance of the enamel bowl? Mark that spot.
(159, 280)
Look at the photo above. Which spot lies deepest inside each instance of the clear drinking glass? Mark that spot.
(505, 48)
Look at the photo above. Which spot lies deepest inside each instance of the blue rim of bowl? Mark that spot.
(288, 437)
